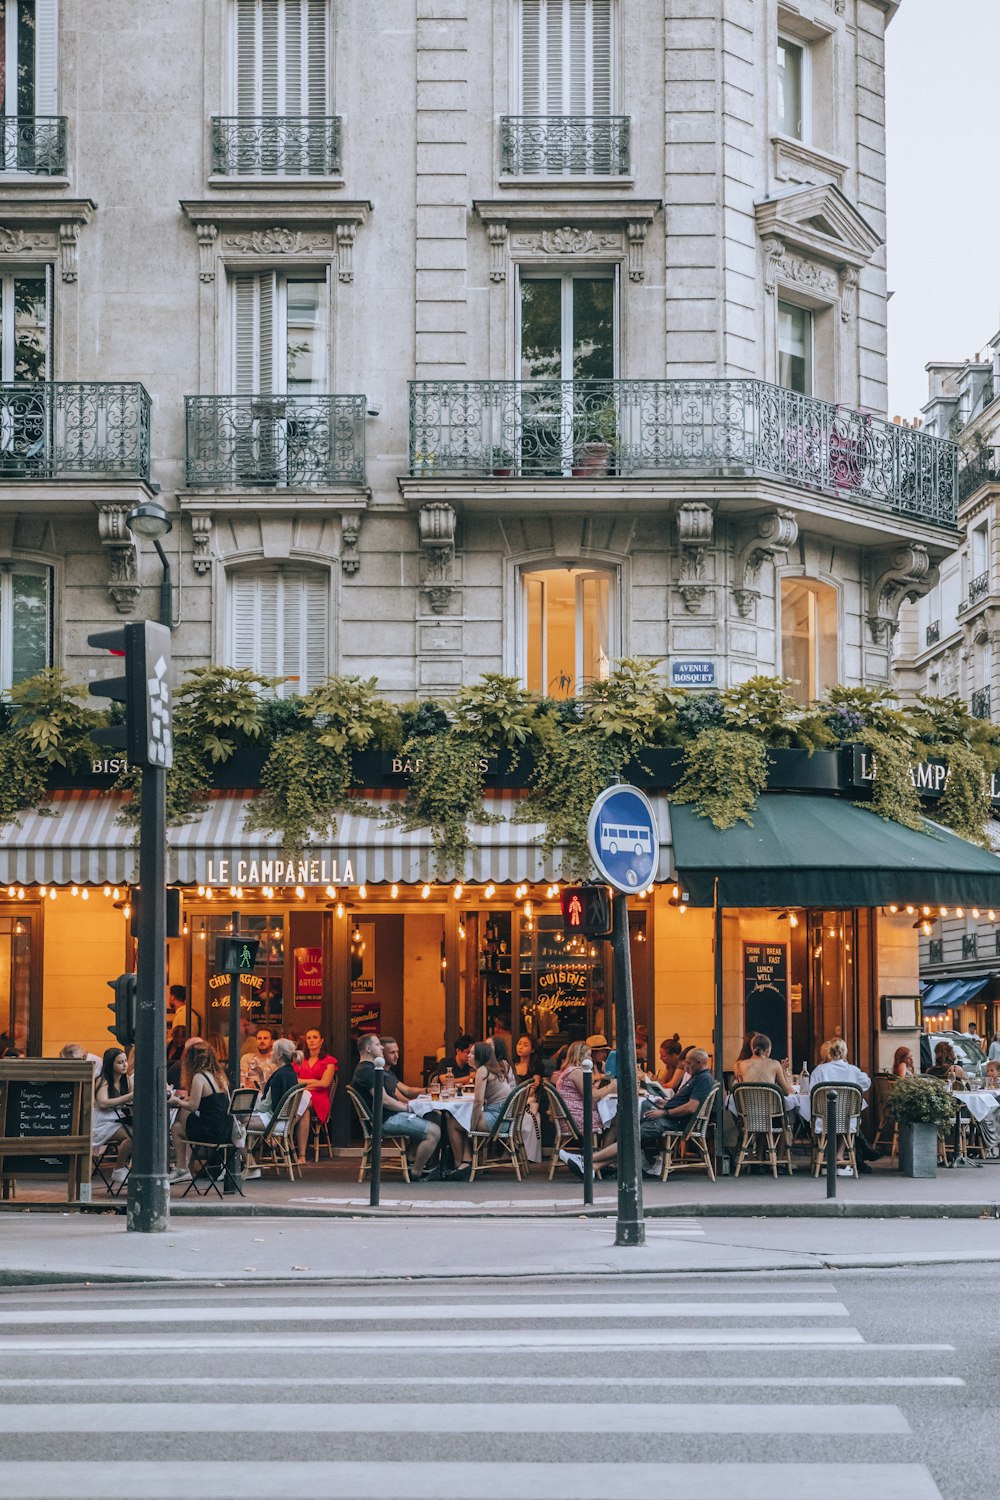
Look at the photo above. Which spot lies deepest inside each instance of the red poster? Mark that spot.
(308, 976)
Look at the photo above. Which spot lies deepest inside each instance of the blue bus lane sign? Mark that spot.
(623, 839)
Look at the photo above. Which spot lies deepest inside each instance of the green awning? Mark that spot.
(823, 851)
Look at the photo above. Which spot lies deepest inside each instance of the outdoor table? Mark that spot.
(460, 1107)
(607, 1108)
(979, 1103)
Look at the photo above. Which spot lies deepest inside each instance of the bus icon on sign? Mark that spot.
(625, 838)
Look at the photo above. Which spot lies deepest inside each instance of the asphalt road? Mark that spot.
(783, 1386)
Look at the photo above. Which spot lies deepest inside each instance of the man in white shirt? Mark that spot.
(257, 1066)
(839, 1070)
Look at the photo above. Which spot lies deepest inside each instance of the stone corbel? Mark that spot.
(123, 562)
(904, 574)
(497, 235)
(207, 236)
(849, 280)
(840, 6)
(350, 536)
(69, 236)
(695, 523)
(201, 536)
(436, 523)
(636, 242)
(773, 533)
(346, 235)
(774, 253)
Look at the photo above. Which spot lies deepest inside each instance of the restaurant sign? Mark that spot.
(930, 776)
(236, 869)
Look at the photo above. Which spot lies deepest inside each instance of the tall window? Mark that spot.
(25, 323)
(280, 334)
(567, 57)
(979, 549)
(28, 57)
(793, 89)
(567, 629)
(25, 621)
(279, 624)
(567, 333)
(795, 348)
(280, 50)
(809, 636)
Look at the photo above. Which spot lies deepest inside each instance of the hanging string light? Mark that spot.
(394, 892)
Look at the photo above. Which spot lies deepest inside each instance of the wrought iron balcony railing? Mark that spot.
(979, 587)
(565, 145)
(979, 705)
(679, 427)
(983, 469)
(275, 442)
(276, 145)
(66, 428)
(33, 143)
(933, 632)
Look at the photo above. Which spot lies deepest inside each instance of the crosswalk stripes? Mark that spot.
(574, 1393)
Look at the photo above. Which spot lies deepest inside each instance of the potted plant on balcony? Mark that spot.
(919, 1106)
(595, 435)
(501, 462)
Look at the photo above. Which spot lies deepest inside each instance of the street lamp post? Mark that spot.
(151, 522)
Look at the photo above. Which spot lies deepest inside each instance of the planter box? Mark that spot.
(240, 770)
(918, 1150)
(798, 771)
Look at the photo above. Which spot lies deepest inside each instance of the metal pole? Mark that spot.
(831, 1145)
(234, 1177)
(376, 1171)
(588, 1134)
(721, 1162)
(166, 594)
(148, 1190)
(631, 1227)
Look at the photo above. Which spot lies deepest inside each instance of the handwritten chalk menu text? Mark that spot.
(765, 992)
(45, 1121)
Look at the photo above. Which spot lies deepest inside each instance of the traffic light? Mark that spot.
(123, 1008)
(236, 955)
(586, 909)
(147, 734)
(173, 911)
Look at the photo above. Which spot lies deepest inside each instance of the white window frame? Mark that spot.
(299, 684)
(583, 571)
(979, 537)
(810, 314)
(566, 278)
(278, 384)
(45, 81)
(563, 107)
(812, 582)
(11, 567)
(805, 50)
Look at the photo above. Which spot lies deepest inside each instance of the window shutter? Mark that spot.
(46, 43)
(602, 58)
(279, 624)
(567, 53)
(254, 321)
(554, 52)
(247, 92)
(316, 633)
(315, 97)
(292, 595)
(281, 57)
(532, 93)
(270, 60)
(244, 629)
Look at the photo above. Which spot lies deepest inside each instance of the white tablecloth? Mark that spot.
(607, 1107)
(980, 1103)
(423, 1104)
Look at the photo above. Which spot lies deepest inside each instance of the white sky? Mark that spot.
(943, 126)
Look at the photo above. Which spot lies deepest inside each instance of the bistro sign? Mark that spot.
(234, 869)
(930, 777)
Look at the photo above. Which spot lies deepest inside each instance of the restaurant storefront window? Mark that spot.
(15, 983)
(261, 993)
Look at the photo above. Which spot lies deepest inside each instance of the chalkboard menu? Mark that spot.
(45, 1120)
(765, 992)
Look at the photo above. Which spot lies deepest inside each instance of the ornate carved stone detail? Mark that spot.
(19, 241)
(774, 251)
(905, 573)
(806, 273)
(695, 522)
(497, 235)
(346, 235)
(350, 536)
(773, 533)
(849, 280)
(569, 241)
(201, 536)
(840, 6)
(69, 260)
(436, 524)
(636, 231)
(280, 241)
(123, 568)
(207, 236)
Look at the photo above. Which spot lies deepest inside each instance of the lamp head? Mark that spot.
(149, 520)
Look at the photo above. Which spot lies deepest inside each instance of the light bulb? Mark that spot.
(363, 892)
(74, 891)
(457, 893)
(85, 894)
(107, 890)
(340, 908)
(490, 890)
(425, 892)
(394, 892)
(116, 894)
(300, 891)
(43, 891)
(52, 894)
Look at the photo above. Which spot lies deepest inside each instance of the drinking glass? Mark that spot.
(435, 1088)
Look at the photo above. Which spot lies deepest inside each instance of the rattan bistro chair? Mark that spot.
(887, 1135)
(694, 1137)
(760, 1110)
(504, 1137)
(567, 1136)
(274, 1146)
(319, 1130)
(396, 1142)
(849, 1106)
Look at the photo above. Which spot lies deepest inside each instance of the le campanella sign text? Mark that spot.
(239, 869)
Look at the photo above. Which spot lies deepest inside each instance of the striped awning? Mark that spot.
(77, 839)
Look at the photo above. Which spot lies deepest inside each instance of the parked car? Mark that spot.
(970, 1055)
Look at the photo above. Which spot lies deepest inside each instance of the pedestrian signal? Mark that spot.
(237, 955)
(586, 910)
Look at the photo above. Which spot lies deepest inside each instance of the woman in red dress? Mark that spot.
(317, 1070)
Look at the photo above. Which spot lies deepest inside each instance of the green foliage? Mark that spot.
(632, 705)
(764, 706)
(894, 796)
(965, 806)
(571, 768)
(921, 1101)
(848, 711)
(497, 712)
(48, 712)
(22, 776)
(348, 713)
(220, 710)
(446, 790)
(725, 772)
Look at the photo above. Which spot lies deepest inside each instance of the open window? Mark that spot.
(810, 637)
(567, 631)
(25, 621)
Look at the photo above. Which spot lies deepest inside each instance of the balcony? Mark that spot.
(565, 145)
(74, 429)
(679, 428)
(275, 442)
(983, 469)
(276, 145)
(33, 144)
(979, 705)
(979, 587)
(933, 633)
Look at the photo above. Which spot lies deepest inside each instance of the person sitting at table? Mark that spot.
(317, 1071)
(397, 1118)
(176, 1044)
(283, 1079)
(73, 1052)
(501, 1052)
(993, 1074)
(946, 1065)
(460, 1061)
(203, 1117)
(491, 1090)
(390, 1051)
(670, 1073)
(601, 1055)
(671, 1115)
(761, 1067)
(902, 1063)
(113, 1094)
(838, 1070)
(569, 1083)
(257, 1066)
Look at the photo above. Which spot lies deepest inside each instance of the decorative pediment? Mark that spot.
(46, 228)
(275, 229)
(819, 222)
(605, 229)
